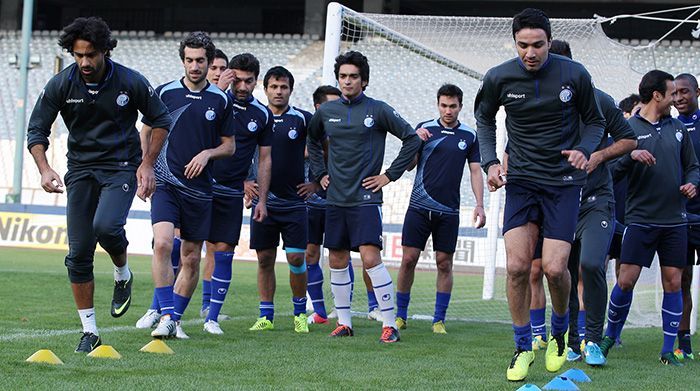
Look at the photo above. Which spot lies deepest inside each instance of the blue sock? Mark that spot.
(206, 293)
(402, 300)
(618, 309)
(581, 324)
(315, 288)
(165, 299)
(154, 302)
(371, 301)
(442, 301)
(267, 310)
(522, 335)
(560, 323)
(175, 254)
(299, 305)
(671, 311)
(537, 322)
(352, 278)
(180, 303)
(220, 282)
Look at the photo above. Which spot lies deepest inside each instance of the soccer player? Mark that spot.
(202, 131)
(630, 105)
(98, 100)
(217, 67)
(434, 206)
(686, 102)
(356, 126)
(287, 215)
(662, 173)
(253, 126)
(594, 231)
(544, 97)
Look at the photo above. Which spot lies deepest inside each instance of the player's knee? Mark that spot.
(518, 270)
(297, 266)
(409, 261)
(266, 260)
(444, 265)
(625, 283)
(556, 273)
(162, 245)
(79, 271)
(110, 235)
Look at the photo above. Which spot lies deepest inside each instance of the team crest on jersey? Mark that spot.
(565, 94)
(369, 122)
(679, 136)
(210, 115)
(462, 145)
(252, 126)
(122, 99)
(293, 134)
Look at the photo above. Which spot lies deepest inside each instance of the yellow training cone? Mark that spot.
(157, 346)
(45, 356)
(105, 351)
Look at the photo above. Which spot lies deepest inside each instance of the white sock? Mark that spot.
(122, 273)
(340, 287)
(87, 318)
(384, 290)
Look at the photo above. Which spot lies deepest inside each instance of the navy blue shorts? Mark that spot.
(226, 219)
(419, 224)
(616, 242)
(348, 228)
(317, 225)
(553, 208)
(693, 244)
(641, 242)
(191, 215)
(292, 225)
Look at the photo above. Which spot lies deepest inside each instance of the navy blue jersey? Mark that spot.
(441, 165)
(288, 144)
(692, 122)
(199, 120)
(253, 127)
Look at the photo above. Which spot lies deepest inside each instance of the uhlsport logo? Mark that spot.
(604, 224)
(566, 94)
(252, 126)
(210, 114)
(369, 122)
(125, 187)
(386, 297)
(462, 145)
(122, 99)
(221, 291)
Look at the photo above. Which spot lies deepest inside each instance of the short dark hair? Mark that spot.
(92, 29)
(320, 96)
(353, 58)
(279, 72)
(561, 48)
(689, 78)
(198, 40)
(532, 18)
(245, 62)
(654, 80)
(450, 90)
(218, 53)
(627, 104)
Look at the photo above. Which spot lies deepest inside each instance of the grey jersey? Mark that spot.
(356, 132)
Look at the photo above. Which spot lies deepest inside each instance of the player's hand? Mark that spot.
(250, 189)
(689, 190)
(576, 158)
(643, 156)
(496, 177)
(325, 181)
(594, 162)
(260, 212)
(479, 217)
(306, 190)
(225, 79)
(51, 181)
(424, 134)
(375, 183)
(197, 164)
(145, 180)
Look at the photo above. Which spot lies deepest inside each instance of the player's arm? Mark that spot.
(619, 129)
(486, 106)
(592, 120)
(410, 144)
(264, 175)
(44, 114)
(424, 134)
(145, 137)
(314, 142)
(199, 162)
(477, 182)
(691, 168)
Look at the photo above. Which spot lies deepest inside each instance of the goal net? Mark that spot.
(410, 58)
